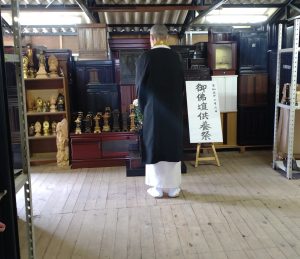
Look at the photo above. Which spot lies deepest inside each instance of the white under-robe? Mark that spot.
(163, 174)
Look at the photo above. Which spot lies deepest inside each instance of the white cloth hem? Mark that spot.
(163, 174)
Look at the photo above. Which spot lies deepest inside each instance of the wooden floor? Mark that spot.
(243, 209)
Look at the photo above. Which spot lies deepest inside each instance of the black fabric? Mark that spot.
(160, 86)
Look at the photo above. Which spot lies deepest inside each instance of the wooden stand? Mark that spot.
(207, 158)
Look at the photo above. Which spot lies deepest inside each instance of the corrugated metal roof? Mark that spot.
(139, 15)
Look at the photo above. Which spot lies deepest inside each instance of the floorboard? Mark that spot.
(242, 209)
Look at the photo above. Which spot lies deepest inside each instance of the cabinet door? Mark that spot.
(259, 50)
(253, 52)
(86, 149)
(221, 86)
(254, 126)
(117, 145)
(227, 92)
(253, 90)
(231, 93)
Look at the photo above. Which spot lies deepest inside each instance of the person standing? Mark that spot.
(160, 86)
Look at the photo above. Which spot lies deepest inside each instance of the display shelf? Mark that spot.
(41, 137)
(279, 165)
(46, 89)
(285, 106)
(44, 83)
(45, 113)
(43, 158)
(288, 170)
(20, 181)
(287, 50)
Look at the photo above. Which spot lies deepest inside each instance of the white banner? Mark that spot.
(203, 112)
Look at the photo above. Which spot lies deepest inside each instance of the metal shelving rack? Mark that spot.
(292, 107)
(24, 178)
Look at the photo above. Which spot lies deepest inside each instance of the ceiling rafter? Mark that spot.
(87, 11)
(190, 16)
(296, 8)
(279, 13)
(113, 8)
(147, 7)
(214, 6)
(266, 5)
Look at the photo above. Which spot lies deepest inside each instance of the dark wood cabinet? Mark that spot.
(253, 89)
(93, 79)
(252, 51)
(255, 116)
(101, 149)
(254, 126)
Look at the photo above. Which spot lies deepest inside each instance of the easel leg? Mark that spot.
(197, 154)
(215, 154)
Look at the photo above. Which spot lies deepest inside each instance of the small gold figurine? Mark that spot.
(46, 128)
(39, 104)
(25, 67)
(53, 66)
(106, 116)
(42, 73)
(78, 126)
(29, 54)
(132, 118)
(53, 127)
(53, 104)
(97, 119)
(37, 129)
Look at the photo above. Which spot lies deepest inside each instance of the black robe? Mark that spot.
(160, 86)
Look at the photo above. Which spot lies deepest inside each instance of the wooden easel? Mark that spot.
(206, 146)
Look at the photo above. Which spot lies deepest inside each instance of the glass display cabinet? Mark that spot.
(222, 58)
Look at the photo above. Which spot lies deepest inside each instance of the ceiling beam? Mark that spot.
(111, 8)
(297, 9)
(143, 25)
(146, 8)
(86, 10)
(214, 6)
(271, 5)
(190, 16)
(279, 13)
(44, 8)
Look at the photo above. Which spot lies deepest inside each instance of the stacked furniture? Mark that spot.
(222, 62)
(253, 102)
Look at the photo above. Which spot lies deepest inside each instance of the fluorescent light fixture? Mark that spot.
(238, 15)
(241, 27)
(236, 19)
(50, 18)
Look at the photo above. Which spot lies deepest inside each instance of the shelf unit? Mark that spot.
(14, 61)
(42, 148)
(278, 164)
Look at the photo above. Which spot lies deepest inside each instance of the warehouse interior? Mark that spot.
(81, 193)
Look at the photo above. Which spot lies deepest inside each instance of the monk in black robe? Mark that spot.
(160, 85)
